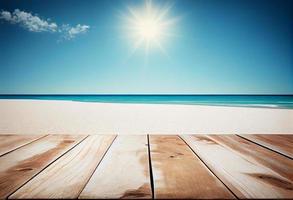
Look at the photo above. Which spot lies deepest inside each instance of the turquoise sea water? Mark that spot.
(268, 101)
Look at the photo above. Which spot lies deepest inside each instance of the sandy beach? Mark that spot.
(68, 117)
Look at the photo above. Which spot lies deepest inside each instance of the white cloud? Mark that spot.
(72, 32)
(5, 15)
(28, 21)
(35, 24)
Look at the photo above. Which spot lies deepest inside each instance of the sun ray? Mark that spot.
(149, 26)
(162, 49)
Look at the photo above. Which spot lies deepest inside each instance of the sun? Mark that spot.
(149, 29)
(149, 26)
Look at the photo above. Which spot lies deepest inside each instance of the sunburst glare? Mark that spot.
(149, 26)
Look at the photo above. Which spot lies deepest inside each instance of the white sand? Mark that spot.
(61, 117)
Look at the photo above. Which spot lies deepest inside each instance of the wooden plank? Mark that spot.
(17, 167)
(249, 170)
(123, 173)
(282, 144)
(275, 162)
(9, 143)
(66, 177)
(178, 173)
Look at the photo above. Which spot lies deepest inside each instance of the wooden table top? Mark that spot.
(146, 166)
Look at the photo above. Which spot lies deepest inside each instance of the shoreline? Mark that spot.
(255, 101)
(269, 106)
(73, 117)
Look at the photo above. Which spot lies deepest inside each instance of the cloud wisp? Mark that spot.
(34, 23)
(72, 32)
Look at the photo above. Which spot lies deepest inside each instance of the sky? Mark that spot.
(146, 47)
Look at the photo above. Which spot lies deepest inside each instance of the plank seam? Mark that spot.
(265, 147)
(23, 145)
(208, 167)
(150, 168)
(96, 168)
(46, 167)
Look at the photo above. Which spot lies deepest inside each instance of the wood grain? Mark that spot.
(179, 174)
(11, 142)
(66, 177)
(17, 167)
(249, 170)
(279, 143)
(123, 173)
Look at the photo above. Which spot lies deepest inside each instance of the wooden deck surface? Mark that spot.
(146, 166)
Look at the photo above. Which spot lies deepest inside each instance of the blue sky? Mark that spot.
(82, 47)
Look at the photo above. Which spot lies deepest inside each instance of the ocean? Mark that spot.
(265, 101)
